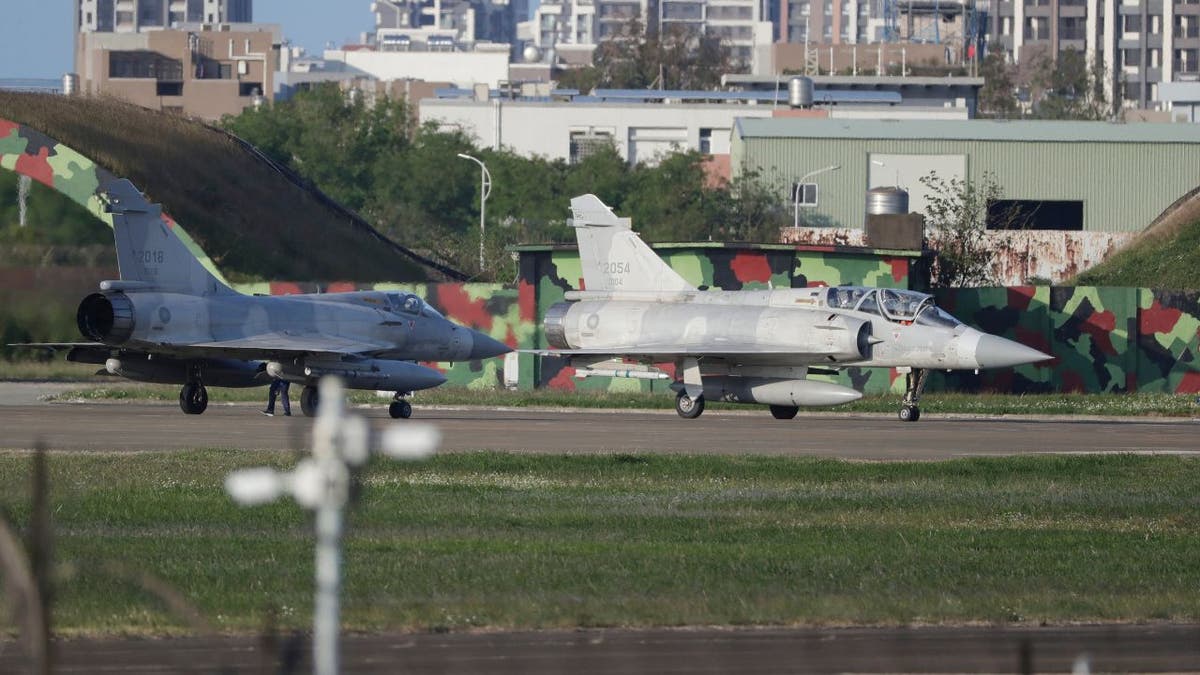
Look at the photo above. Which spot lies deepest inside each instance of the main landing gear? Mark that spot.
(784, 412)
(193, 398)
(400, 408)
(309, 400)
(914, 384)
(688, 407)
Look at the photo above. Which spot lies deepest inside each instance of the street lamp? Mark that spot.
(485, 189)
(796, 193)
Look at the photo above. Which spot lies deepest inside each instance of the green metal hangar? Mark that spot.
(1066, 176)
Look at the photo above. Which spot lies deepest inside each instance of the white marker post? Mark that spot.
(322, 484)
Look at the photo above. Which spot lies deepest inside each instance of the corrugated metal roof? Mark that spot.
(968, 130)
(819, 95)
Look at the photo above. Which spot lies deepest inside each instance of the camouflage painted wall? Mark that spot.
(1103, 339)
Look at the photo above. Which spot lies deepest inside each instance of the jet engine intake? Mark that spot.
(363, 374)
(106, 317)
(777, 391)
(847, 339)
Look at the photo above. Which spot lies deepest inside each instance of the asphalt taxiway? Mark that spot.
(122, 427)
(972, 649)
(133, 427)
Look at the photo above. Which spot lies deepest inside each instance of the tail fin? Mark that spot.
(149, 250)
(613, 257)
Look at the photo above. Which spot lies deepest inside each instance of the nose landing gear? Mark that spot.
(914, 385)
(688, 407)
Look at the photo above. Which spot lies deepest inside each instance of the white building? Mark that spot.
(486, 63)
(639, 131)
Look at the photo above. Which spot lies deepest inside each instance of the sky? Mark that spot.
(35, 35)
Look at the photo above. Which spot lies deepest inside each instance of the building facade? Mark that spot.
(132, 16)
(1142, 43)
(638, 128)
(1068, 176)
(197, 70)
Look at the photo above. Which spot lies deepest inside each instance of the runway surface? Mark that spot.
(1153, 648)
(141, 427)
(132, 427)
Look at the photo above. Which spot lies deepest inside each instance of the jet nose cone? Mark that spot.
(998, 352)
(484, 347)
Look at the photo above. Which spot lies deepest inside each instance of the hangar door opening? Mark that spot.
(1032, 214)
(906, 171)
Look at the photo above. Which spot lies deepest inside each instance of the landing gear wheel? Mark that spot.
(309, 401)
(193, 398)
(688, 407)
(784, 412)
(400, 410)
(914, 386)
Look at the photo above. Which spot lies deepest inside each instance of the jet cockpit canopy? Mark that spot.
(894, 304)
(407, 303)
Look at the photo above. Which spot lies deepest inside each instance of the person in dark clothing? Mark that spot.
(279, 387)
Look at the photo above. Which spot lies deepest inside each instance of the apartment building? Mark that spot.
(199, 70)
(132, 16)
(1142, 42)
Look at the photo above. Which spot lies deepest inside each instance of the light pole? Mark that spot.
(485, 189)
(800, 188)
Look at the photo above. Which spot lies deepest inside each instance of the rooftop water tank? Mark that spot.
(70, 84)
(800, 92)
(886, 201)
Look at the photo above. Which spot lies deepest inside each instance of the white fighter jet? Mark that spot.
(749, 346)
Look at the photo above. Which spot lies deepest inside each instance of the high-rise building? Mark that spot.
(1141, 43)
(132, 16)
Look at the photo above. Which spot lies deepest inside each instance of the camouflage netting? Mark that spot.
(251, 218)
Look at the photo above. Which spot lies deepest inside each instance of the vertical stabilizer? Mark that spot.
(149, 251)
(613, 257)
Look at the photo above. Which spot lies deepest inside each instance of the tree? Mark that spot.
(958, 212)
(998, 97)
(1070, 88)
(677, 58)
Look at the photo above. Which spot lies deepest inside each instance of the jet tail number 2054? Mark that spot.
(749, 346)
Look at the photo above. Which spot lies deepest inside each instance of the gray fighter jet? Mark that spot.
(749, 346)
(169, 320)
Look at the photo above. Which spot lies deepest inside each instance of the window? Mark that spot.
(706, 141)
(249, 88)
(169, 88)
(804, 194)
(584, 144)
(1030, 214)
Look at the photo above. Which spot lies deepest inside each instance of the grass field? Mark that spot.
(503, 541)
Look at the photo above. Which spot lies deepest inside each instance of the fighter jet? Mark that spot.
(169, 320)
(749, 346)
